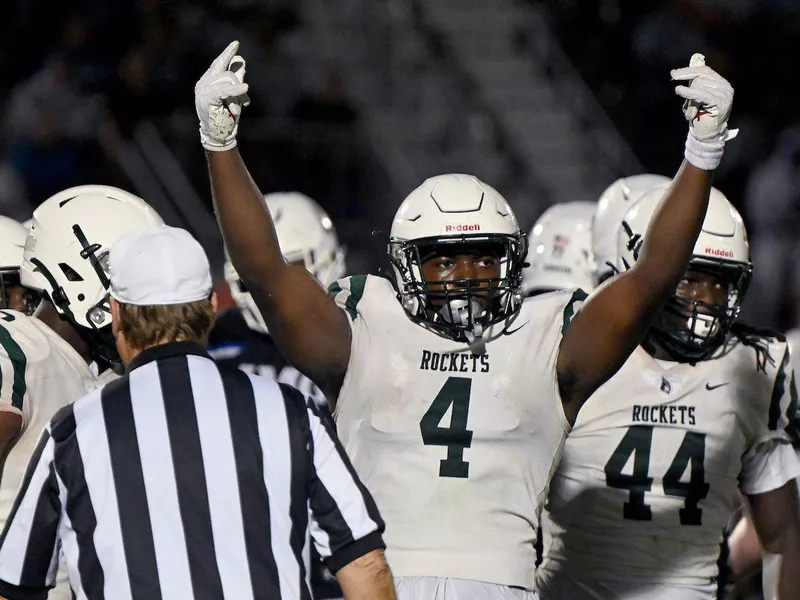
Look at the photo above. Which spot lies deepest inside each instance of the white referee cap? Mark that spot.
(165, 265)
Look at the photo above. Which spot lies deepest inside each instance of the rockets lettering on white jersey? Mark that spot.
(649, 473)
(457, 443)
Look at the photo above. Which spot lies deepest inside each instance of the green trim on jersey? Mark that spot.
(19, 362)
(778, 390)
(355, 291)
(357, 284)
(791, 413)
(570, 310)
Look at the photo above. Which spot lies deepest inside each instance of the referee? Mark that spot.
(182, 480)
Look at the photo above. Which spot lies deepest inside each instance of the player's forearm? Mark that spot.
(745, 551)
(367, 578)
(672, 233)
(244, 219)
(789, 581)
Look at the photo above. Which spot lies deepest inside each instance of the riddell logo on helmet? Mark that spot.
(462, 228)
(719, 252)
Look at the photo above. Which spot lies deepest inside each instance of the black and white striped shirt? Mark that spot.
(182, 480)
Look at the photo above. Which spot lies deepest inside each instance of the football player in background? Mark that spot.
(14, 295)
(649, 473)
(614, 202)
(240, 337)
(560, 250)
(53, 357)
(453, 396)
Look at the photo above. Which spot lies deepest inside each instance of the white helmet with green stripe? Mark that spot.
(457, 211)
(306, 236)
(66, 250)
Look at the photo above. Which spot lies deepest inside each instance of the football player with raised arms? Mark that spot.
(560, 250)
(52, 358)
(649, 473)
(452, 396)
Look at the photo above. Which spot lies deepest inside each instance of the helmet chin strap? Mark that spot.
(458, 312)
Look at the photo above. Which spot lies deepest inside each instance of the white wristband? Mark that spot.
(704, 155)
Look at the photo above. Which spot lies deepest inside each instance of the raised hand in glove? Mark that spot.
(709, 98)
(219, 96)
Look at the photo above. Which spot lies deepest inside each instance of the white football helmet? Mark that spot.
(12, 244)
(66, 252)
(305, 234)
(611, 208)
(721, 249)
(461, 210)
(560, 250)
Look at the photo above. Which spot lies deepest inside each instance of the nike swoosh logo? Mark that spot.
(510, 331)
(710, 387)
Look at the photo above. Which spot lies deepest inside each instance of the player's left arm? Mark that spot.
(776, 523)
(12, 399)
(615, 318)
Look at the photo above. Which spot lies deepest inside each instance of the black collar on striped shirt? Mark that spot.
(165, 351)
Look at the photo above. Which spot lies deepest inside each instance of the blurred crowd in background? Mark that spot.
(85, 78)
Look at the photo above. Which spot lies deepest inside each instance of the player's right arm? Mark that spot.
(311, 331)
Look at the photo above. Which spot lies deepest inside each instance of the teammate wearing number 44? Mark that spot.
(453, 396)
(649, 473)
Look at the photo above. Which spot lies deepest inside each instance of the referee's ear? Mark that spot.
(114, 317)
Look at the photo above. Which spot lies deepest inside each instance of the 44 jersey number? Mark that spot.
(455, 392)
(637, 442)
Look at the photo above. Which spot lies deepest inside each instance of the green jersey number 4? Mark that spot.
(455, 392)
(637, 441)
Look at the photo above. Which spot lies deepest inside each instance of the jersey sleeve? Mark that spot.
(768, 466)
(783, 402)
(13, 373)
(348, 293)
(572, 308)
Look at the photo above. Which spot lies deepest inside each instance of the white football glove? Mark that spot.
(219, 96)
(709, 98)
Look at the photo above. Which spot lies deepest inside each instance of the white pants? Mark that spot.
(434, 588)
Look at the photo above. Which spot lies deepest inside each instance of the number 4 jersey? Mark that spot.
(649, 473)
(456, 443)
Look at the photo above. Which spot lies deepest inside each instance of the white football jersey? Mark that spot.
(456, 443)
(39, 374)
(649, 473)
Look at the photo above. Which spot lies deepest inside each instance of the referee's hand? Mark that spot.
(367, 578)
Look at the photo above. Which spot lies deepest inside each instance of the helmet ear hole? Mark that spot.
(70, 273)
